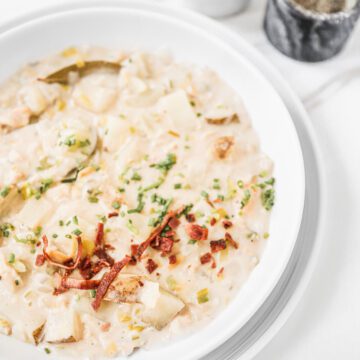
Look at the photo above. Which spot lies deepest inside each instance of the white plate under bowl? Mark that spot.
(130, 26)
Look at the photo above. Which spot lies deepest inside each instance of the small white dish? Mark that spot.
(129, 25)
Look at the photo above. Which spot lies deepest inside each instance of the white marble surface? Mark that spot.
(326, 324)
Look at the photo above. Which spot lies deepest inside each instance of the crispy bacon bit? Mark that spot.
(108, 247)
(172, 259)
(206, 258)
(197, 232)
(231, 241)
(163, 243)
(174, 223)
(166, 245)
(212, 221)
(98, 266)
(70, 283)
(190, 217)
(151, 266)
(217, 245)
(113, 214)
(85, 268)
(227, 224)
(169, 233)
(70, 260)
(99, 240)
(156, 232)
(103, 255)
(107, 279)
(220, 272)
(134, 249)
(40, 260)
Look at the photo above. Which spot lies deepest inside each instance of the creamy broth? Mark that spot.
(92, 161)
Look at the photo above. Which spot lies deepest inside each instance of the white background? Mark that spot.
(326, 324)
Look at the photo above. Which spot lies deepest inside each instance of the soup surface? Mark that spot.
(134, 200)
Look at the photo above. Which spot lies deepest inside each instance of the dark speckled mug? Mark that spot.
(306, 35)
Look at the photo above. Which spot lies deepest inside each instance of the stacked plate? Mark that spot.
(274, 288)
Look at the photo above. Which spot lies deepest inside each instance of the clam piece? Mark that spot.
(234, 118)
(62, 76)
(15, 118)
(222, 146)
(63, 326)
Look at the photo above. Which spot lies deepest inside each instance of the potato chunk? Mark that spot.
(160, 306)
(124, 289)
(165, 309)
(63, 326)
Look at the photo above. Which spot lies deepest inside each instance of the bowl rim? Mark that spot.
(170, 12)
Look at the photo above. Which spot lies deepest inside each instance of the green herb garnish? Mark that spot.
(11, 259)
(140, 206)
(5, 229)
(136, 176)
(268, 199)
(77, 232)
(165, 165)
(4, 192)
(116, 205)
(93, 195)
(44, 186)
(246, 198)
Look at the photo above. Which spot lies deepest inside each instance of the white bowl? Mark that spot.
(129, 25)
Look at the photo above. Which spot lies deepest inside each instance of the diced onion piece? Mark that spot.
(5, 327)
(38, 334)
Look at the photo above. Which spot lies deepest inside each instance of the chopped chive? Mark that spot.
(136, 176)
(4, 192)
(77, 232)
(116, 205)
(11, 259)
